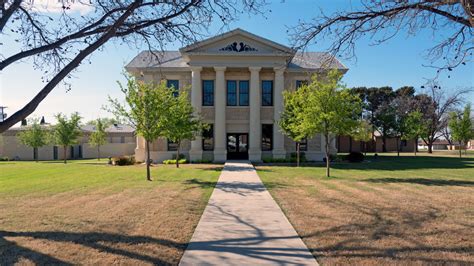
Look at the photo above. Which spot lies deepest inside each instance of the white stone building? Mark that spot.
(236, 81)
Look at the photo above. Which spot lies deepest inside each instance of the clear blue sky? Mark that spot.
(396, 63)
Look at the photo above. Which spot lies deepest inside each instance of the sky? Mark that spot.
(396, 63)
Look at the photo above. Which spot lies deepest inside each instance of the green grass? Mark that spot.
(82, 176)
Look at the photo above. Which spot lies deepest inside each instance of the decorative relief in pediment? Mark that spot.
(238, 47)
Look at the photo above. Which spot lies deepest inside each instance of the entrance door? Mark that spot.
(237, 146)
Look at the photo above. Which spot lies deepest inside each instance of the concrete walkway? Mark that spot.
(243, 225)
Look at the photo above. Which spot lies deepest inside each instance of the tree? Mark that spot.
(35, 136)
(67, 131)
(293, 122)
(98, 137)
(451, 20)
(385, 120)
(58, 44)
(363, 132)
(415, 126)
(146, 108)
(461, 127)
(331, 108)
(436, 104)
(181, 122)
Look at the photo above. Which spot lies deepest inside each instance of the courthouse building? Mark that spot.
(236, 81)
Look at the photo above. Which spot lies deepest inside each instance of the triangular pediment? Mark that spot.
(237, 42)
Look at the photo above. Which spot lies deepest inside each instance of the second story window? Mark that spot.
(267, 93)
(244, 93)
(208, 92)
(173, 84)
(231, 93)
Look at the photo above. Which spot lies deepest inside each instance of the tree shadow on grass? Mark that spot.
(422, 181)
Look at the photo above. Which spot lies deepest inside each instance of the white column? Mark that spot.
(195, 153)
(278, 139)
(255, 132)
(220, 149)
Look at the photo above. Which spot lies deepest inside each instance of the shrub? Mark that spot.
(123, 160)
(4, 159)
(355, 157)
(332, 158)
(173, 161)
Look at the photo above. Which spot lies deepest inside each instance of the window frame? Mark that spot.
(247, 93)
(168, 142)
(170, 85)
(211, 130)
(263, 94)
(208, 81)
(235, 93)
(263, 137)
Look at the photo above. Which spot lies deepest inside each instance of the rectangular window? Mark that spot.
(122, 139)
(300, 83)
(173, 84)
(244, 93)
(231, 93)
(55, 152)
(267, 93)
(35, 153)
(267, 137)
(208, 92)
(172, 146)
(303, 145)
(208, 138)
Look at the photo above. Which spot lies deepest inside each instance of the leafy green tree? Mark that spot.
(363, 132)
(415, 127)
(294, 123)
(331, 109)
(146, 108)
(461, 127)
(35, 136)
(99, 137)
(181, 121)
(67, 131)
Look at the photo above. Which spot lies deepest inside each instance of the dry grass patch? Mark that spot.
(392, 211)
(96, 214)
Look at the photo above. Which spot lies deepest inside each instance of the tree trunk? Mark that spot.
(384, 147)
(327, 156)
(98, 153)
(298, 154)
(430, 147)
(350, 144)
(460, 145)
(148, 175)
(365, 148)
(177, 156)
(65, 153)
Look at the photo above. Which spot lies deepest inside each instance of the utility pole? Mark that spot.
(3, 115)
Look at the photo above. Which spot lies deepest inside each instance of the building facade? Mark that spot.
(236, 81)
(121, 140)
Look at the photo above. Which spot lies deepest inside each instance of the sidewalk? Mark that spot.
(243, 225)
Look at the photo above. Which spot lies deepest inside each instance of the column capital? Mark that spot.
(196, 68)
(279, 70)
(256, 69)
(220, 68)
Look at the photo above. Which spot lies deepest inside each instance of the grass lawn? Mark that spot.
(90, 213)
(407, 210)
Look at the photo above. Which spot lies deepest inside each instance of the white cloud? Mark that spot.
(57, 6)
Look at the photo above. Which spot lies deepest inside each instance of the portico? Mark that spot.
(236, 82)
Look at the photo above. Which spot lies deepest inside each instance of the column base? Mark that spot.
(220, 155)
(195, 155)
(279, 154)
(255, 155)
